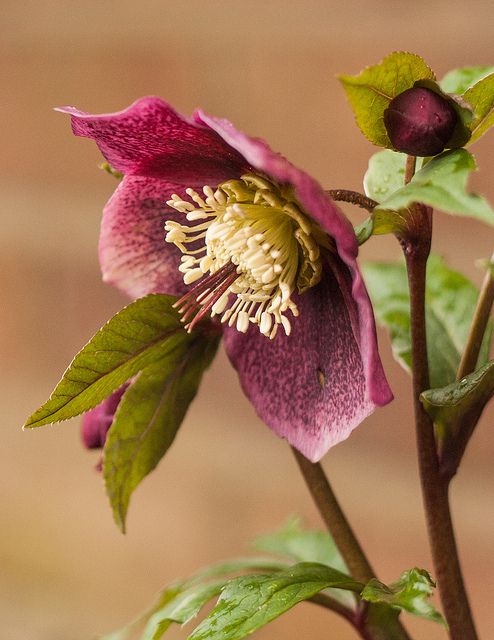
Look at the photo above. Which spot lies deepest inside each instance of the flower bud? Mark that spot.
(420, 122)
(97, 421)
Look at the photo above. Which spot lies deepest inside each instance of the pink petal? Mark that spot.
(309, 387)
(150, 138)
(132, 249)
(322, 209)
(95, 423)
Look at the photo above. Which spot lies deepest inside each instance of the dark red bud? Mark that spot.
(420, 122)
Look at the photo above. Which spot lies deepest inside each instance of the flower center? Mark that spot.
(251, 248)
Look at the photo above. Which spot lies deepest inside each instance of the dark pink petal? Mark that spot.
(309, 387)
(322, 209)
(95, 423)
(132, 249)
(150, 138)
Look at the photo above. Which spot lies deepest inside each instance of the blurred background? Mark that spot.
(66, 573)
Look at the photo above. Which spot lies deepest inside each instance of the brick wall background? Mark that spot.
(66, 573)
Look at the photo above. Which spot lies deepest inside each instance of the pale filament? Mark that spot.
(249, 247)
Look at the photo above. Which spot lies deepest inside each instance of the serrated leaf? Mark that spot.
(441, 183)
(481, 98)
(304, 545)
(167, 598)
(465, 399)
(459, 80)
(250, 602)
(148, 418)
(372, 90)
(182, 609)
(450, 303)
(410, 593)
(142, 333)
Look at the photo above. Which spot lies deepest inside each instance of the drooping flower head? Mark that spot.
(208, 214)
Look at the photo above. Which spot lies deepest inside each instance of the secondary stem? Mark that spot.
(434, 485)
(372, 621)
(335, 519)
(478, 326)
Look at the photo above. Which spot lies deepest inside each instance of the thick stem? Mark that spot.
(434, 484)
(478, 326)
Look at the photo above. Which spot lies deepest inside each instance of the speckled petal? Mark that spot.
(320, 207)
(309, 387)
(132, 249)
(150, 138)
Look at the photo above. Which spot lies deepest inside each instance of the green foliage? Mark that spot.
(141, 334)
(181, 609)
(248, 603)
(459, 80)
(148, 418)
(385, 174)
(180, 601)
(410, 593)
(303, 545)
(364, 230)
(481, 99)
(451, 405)
(371, 91)
(450, 304)
(441, 183)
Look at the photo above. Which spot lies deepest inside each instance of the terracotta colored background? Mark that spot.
(66, 573)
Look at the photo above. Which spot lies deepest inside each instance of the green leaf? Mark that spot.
(450, 303)
(459, 80)
(165, 596)
(449, 406)
(148, 418)
(141, 334)
(302, 545)
(481, 98)
(170, 598)
(385, 174)
(181, 609)
(442, 184)
(249, 602)
(410, 593)
(372, 90)
(364, 230)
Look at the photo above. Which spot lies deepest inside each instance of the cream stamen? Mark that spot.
(252, 247)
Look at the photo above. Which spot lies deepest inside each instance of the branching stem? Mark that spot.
(478, 326)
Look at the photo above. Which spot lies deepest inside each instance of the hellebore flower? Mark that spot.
(254, 242)
(420, 122)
